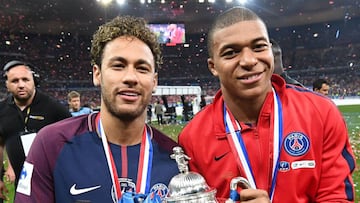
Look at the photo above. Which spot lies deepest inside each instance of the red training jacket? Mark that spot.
(320, 172)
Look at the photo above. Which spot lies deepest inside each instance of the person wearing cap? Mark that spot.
(24, 112)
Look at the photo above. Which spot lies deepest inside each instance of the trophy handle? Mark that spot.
(234, 184)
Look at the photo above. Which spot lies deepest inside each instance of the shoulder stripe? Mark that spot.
(349, 159)
(351, 163)
(349, 190)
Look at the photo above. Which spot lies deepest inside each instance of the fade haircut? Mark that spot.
(124, 26)
(228, 18)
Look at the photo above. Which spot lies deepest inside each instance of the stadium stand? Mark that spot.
(328, 50)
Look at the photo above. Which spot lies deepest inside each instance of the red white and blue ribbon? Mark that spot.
(233, 131)
(144, 165)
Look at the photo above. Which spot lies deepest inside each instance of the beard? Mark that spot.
(23, 98)
(122, 113)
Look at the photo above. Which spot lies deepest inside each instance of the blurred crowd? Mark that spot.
(326, 50)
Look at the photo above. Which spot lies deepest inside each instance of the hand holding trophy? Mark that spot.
(190, 187)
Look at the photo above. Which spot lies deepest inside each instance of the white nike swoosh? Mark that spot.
(75, 191)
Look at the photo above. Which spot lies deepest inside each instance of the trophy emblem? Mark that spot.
(187, 186)
(191, 187)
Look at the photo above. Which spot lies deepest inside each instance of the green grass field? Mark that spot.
(351, 114)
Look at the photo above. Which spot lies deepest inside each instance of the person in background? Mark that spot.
(159, 112)
(202, 101)
(149, 113)
(176, 34)
(75, 107)
(278, 64)
(259, 128)
(23, 113)
(105, 155)
(321, 86)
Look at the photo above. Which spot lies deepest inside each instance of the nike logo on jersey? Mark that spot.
(217, 158)
(76, 191)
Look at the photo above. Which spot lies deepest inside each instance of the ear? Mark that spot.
(96, 75)
(155, 82)
(211, 66)
(6, 85)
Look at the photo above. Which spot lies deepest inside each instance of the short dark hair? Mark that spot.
(317, 84)
(124, 26)
(228, 18)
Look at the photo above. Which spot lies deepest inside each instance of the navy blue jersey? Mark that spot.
(70, 165)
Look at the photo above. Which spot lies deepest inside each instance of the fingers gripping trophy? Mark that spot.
(190, 187)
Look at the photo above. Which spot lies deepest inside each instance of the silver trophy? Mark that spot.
(188, 187)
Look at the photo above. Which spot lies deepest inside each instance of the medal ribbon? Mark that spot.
(144, 165)
(233, 131)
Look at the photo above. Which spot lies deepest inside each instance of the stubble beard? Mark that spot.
(23, 99)
(124, 115)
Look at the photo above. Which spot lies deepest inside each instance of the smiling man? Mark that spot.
(258, 128)
(101, 156)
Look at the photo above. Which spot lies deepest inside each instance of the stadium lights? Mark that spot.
(120, 2)
(242, 1)
(104, 2)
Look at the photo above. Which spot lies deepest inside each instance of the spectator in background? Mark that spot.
(23, 113)
(258, 128)
(159, 112)
(321, 86)
(279, 66)
(202, 101)
(149, 113)
(105, 155)
(75, 107)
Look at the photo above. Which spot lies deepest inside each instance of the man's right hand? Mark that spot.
(10, 174)
(3, 191)
(253, 195)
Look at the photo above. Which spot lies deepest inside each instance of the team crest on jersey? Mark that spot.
(296, 144)
(284, 166)
(126, 185)
(160, 189)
